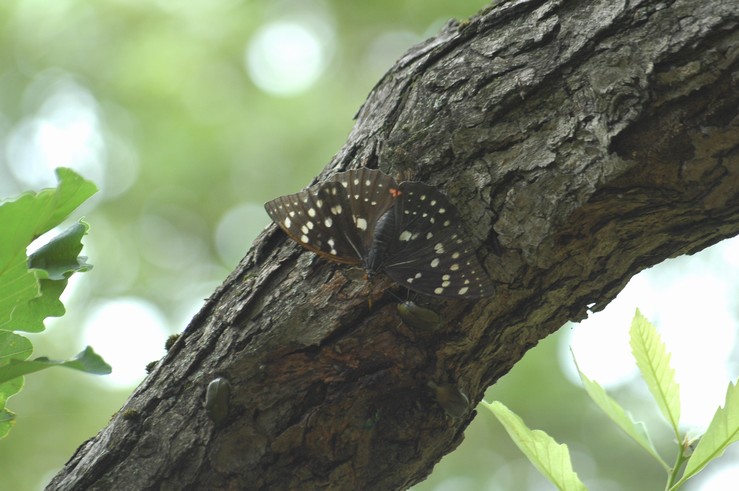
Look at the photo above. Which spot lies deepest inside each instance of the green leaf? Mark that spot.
(55, 262)
(18, 286)
(550, 458)
(33, 214)
(13, 347)
(7, 420)
(635, 429)
(722, 432)
(23, 220)
(7, 417)
(60, 256)
(86, 361)
(30, 288)
(654, 363)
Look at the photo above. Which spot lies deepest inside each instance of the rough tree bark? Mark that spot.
(583, 140)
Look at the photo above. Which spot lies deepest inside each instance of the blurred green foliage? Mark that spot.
(186, 148)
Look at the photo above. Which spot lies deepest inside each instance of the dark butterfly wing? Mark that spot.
(420, 242)
(370, 194)
(431, 254)
(319, 219)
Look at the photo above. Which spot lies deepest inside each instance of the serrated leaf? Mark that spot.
(722, 432)
(29, 316)
(7, 417)
(30, 287)
(60, 256)
(86, 361)
(634, 429)
(653, 361)
(9, 389)
(549, 457)
(53, 263)
(34, 213)
(21, 221)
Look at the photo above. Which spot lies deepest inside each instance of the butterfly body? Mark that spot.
(409, 231)
(383, 241)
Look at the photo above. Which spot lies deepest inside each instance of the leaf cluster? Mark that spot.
(653, 359)
(30, 285)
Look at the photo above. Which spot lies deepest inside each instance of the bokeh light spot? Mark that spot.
(64, 132)
(285, 58)
(128, 333)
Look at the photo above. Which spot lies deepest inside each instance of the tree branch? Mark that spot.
(584, 141)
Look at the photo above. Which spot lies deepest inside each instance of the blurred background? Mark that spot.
(189, 115)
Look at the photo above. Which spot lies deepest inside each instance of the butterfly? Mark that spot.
(408, 231)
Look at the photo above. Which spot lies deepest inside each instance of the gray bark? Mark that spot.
(582, 141)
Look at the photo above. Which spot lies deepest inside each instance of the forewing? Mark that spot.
(319, 219)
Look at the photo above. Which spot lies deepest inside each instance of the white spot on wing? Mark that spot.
(361, 224)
